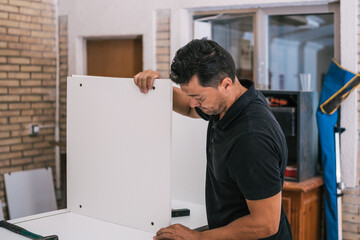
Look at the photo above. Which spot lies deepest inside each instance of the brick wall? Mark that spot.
(27, 85)
(163, 42)
(351, 209)
(63, 52)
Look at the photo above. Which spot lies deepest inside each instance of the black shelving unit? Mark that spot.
(295, 112)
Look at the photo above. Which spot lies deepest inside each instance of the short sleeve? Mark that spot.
(254, 164)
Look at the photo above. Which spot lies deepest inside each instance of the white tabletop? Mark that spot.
(70, 226)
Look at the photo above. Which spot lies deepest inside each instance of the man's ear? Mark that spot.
(226, 83)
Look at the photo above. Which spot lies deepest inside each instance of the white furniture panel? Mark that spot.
(189, 159)
(71, 226)
(119, 151)
(30, 192)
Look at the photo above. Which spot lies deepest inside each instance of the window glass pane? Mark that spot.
(234, 33)
(300, 44)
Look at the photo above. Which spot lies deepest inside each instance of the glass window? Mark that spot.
(234, 32)
(299, 45)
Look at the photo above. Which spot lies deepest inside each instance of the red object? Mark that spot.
(276, 102)
(291, 172)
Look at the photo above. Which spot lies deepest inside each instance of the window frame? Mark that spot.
(260, 31)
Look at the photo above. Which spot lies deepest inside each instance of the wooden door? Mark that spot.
(114, 57)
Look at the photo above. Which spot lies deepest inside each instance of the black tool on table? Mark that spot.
(24, 232)
(180, 212)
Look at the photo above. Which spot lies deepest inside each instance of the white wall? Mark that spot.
(98, 18)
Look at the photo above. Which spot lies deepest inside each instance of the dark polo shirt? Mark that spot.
(246, 159)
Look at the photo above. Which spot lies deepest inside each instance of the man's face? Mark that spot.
(210, 100)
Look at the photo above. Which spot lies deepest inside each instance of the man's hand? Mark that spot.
(144, 80)
(177, 232)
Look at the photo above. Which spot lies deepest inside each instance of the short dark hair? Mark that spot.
(204, 58)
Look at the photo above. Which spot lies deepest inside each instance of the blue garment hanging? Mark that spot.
(335, 79)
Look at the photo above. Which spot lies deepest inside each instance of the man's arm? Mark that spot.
(145, 80)
(263, 221)
(181, 104)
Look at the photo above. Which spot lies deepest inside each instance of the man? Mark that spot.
(246, 148)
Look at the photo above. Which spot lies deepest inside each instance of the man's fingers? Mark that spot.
(165, 236)
(143, 83)
(150, 77)
(138, 80)
(164, 233)
(145, 80)
(150, 82)
(173, 232)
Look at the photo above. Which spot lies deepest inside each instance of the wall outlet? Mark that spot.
(34, 129)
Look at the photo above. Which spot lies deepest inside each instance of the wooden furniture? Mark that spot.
(302, 204)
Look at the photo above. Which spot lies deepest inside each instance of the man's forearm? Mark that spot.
(181, 104)
(263, 221)
(243, 228)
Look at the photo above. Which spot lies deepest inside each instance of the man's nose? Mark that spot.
(194, 103)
